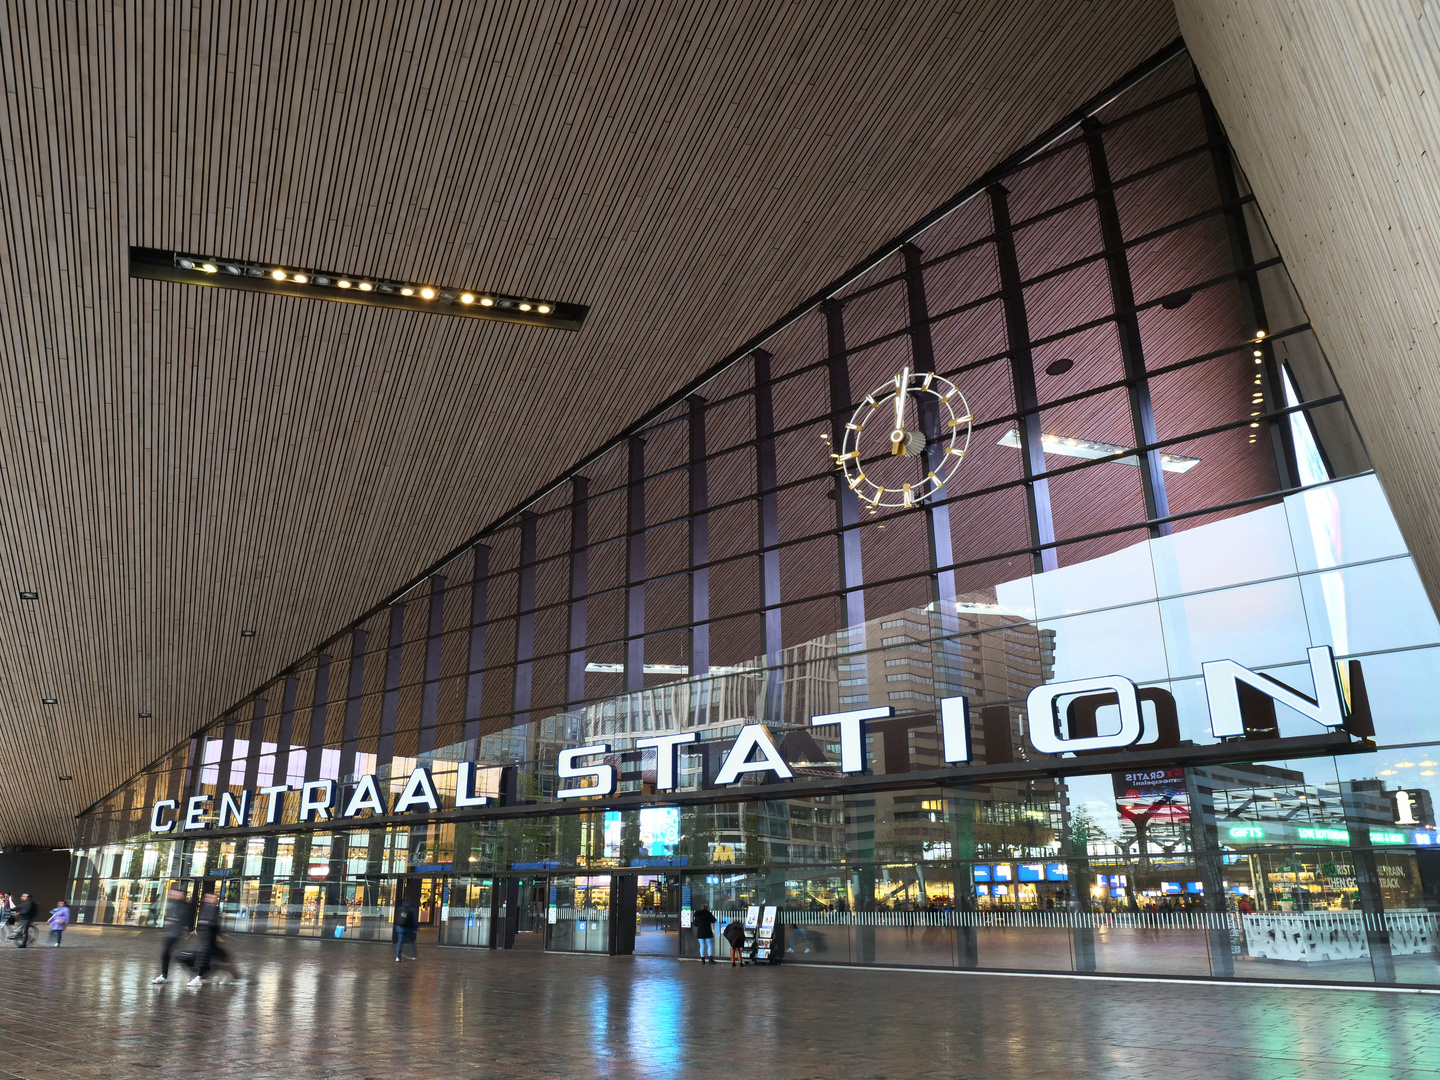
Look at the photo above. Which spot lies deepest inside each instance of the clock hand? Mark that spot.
(897, 437)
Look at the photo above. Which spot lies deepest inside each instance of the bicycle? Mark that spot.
(30, 935)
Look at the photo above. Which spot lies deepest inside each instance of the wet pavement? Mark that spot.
(315, 1008)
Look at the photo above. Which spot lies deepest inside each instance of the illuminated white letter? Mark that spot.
(155, 826)
(467, 791)
(274, 797)
(567, 770)
(366, 797)
(753, 737)
(1044, 715)
(852, 734)
(1222, 689)
(419, 791)
(195, 808)
(317, 797)
(232, 811)
(955, 729)
(665, 747)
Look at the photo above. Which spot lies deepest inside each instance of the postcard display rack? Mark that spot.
(764, 934)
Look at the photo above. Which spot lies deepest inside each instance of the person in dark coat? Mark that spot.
(25, 913)
(177, 925)
(735, 935)
(704, 923)
(407, 920)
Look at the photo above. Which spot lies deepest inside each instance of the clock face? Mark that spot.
(885, 456)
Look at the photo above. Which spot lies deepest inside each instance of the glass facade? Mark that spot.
(1160, 473)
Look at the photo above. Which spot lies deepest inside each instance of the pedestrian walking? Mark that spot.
(704, 923)
(177, 925)
(59, 919)
(406, 919)
(735, 935)
(207, 930)
(25, 913)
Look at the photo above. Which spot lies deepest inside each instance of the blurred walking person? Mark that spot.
(177, 925)
(406, 919)
(207, 929)
(25, 913)
(59, 919)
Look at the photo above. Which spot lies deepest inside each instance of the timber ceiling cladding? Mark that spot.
(181, 463)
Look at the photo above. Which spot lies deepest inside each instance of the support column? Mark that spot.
(769, 518)
(316, 742)
(227, 750)
(1022, 374)
(285, 736)
(1367, 880)
(1127, 324)
(525, 630)
(475, 679)
(257, 740)
(1251, 299)
(390, 702)
(1209, 864)
(434, 644)
(847, 503)
(354, 697)
(937, 514)
(635, 570)
(699, 559)
(579, 589)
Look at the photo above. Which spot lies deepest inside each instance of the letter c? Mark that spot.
(155, 825)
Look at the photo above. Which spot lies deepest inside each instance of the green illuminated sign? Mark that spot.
(1380, 836)
(1247, 832)
(1339, 835)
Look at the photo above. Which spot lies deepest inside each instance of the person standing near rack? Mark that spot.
(735, 935)
(704, 923)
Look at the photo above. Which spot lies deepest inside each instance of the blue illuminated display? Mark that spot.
(982, 873)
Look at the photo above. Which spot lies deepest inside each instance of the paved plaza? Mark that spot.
(345, 1010)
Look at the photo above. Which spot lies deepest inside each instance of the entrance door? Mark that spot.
(427, 894)
(581, 910)
(466, 920)
(657, 915)
(530, 913)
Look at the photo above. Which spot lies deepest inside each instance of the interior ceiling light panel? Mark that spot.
(287, 280)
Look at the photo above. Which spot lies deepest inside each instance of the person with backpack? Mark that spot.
(25, 913)
(704, 923)
(406, 920)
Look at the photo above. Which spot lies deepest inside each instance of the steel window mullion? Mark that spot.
(318, 706)
(579, 599)
(1022, 375)
(354, 692)
(635, 569)
(390, 703)
(434, 643)
(768, 515)
(475, 667)
(847, 504)
(698, 506)
(525, 623)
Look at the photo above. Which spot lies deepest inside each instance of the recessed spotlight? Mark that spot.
(427, 293)
(278, 275)
(343, 283)
(247, 633)
(144, 716)
(524, 307)
(407, 291)
(49, 701)
(232, 269)
(485, 301)
(365, 286)
(1059, 367)
(1259, 334)
(299, 279)
(187, 264)
(209, 268)
(544, 309)
(467, 298)
(29, 596)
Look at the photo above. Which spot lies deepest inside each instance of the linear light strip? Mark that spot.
(1063, 446)
(285, 280)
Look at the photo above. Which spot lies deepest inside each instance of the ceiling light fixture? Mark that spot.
(144, 716)
(66, 778)
(247, 633)
(1084, 448)
(1059, 367)
(29, 596)
(49, 701)
(160, 265)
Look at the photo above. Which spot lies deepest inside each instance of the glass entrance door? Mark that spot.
(578, 914)
(530, 909)
(657, 915)
(466, 920)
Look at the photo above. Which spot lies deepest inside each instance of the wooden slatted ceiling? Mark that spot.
(177, 464)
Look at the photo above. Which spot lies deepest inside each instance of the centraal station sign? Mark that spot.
(1233, 694)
